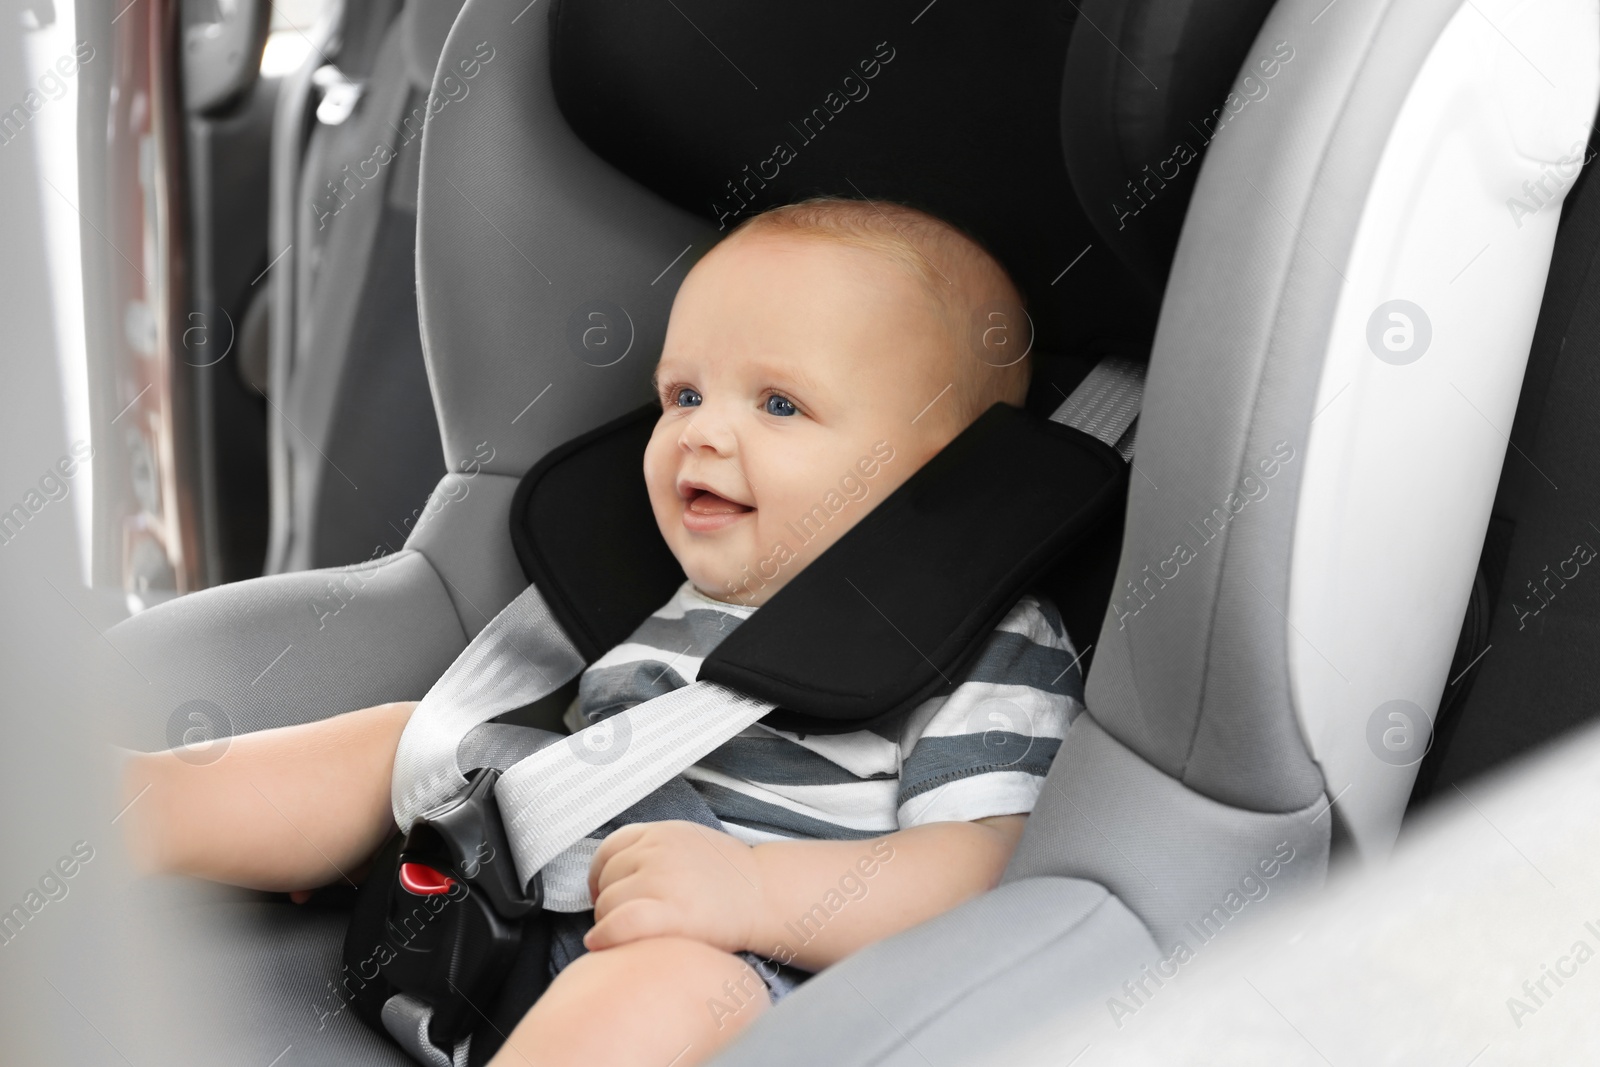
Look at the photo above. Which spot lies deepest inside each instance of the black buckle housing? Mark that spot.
(449, 942)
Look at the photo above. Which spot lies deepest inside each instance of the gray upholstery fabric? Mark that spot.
(427, 23)
(270, 970)
(464, 532)
(1463, 949)
(1197, 681)
(950, 989)
(1170, 853)
(340, 231)
(290, 648)
(288, 143)
(508, 271)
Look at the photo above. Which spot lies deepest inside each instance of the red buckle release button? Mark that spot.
(424, 881)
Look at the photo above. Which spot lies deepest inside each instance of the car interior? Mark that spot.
(1334, 258)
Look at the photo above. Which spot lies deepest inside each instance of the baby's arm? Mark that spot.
(908, 876)
(806, 902)
(284, 809)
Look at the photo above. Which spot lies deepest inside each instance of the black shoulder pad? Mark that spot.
(585, 534)
(898, 607)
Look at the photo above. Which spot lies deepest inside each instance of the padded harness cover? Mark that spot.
(584, 532)
(886, 617)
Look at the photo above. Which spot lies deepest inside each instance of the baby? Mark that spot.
(822, 339)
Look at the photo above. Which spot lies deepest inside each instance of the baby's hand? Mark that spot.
(675, 878)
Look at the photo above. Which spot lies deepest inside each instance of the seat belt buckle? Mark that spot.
(468, 835)
(455, 909)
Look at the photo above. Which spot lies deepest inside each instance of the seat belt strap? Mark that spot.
(556, 796)
(1105, 405)
(551, 800)
(407, 1020)
(520, 657)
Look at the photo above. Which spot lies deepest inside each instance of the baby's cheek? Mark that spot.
(660, 479)
(654, 457)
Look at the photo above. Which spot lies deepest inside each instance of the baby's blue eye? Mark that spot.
(777, 405)
(688, 398)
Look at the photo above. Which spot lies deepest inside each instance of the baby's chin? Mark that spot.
(724, 585)
(725, 597)
(732, 583)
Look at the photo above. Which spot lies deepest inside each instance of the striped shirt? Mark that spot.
(981, 749)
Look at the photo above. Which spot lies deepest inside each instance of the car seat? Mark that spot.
(354, 448)
(1233, 686)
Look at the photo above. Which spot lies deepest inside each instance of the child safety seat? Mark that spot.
(1313, 474)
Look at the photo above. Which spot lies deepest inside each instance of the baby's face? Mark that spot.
(800, 383)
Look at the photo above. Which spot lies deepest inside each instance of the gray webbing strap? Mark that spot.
(566, 878)
(407, 1019)
(1106, 403)
(557, 795)
(551, 800)
(521, 656)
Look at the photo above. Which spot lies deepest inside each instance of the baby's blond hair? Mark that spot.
(982, 309)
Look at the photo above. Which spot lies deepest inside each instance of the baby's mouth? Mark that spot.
(705, 510)
(705, 502)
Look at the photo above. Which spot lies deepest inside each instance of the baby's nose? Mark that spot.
(703, 433)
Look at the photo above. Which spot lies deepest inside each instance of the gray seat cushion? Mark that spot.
(946, 991)
(275, 968)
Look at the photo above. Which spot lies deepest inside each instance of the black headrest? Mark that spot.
(958, 109)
